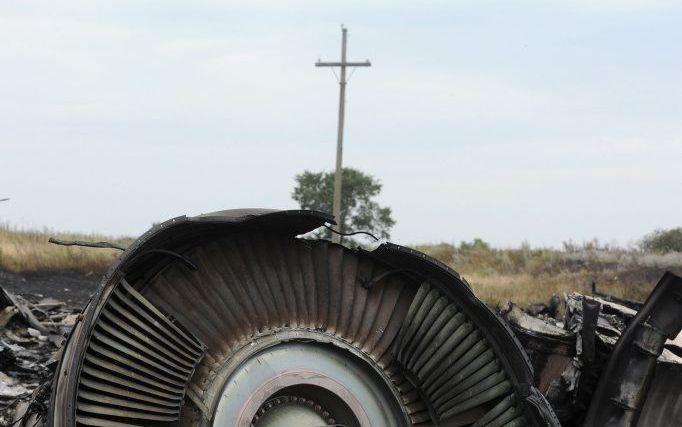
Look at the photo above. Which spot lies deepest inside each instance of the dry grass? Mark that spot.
(525, 275)
(29, 251)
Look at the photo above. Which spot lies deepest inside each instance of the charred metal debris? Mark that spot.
(31, 333)
(608, 364)
(220, 319)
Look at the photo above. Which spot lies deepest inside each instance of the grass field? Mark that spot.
(29, 251)
(528, 275)
(524, 274)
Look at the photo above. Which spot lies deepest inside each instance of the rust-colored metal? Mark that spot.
(137, 365)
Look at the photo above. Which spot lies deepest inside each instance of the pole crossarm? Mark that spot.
(343, 64)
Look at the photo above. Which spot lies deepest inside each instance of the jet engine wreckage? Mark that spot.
(230, 319)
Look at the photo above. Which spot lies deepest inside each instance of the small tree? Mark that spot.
(663, 241)
(359, 210)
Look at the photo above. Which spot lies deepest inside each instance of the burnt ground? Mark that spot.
(37, 311)
(73, 287)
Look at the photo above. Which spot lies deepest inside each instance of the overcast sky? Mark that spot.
(509, 120)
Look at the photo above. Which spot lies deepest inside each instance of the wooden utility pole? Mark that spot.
(338, 177)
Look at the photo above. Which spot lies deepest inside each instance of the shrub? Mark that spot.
(443, 252)
(663, 241)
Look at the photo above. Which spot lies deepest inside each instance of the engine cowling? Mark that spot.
(230, 319)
